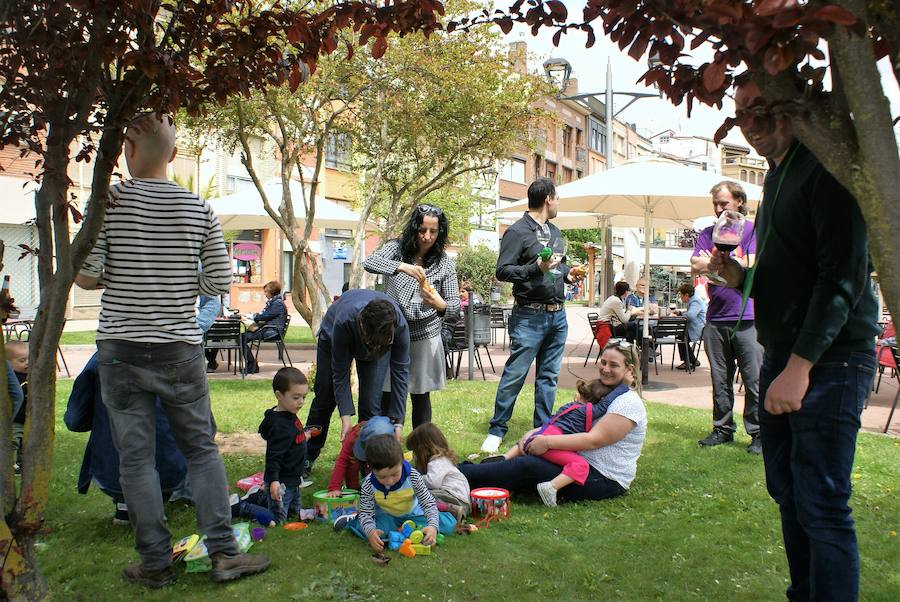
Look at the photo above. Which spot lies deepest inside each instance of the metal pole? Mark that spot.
(610, 133)
(645, 338)
(470, 329)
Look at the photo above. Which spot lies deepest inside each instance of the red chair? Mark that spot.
(602, 334)
(884, 355)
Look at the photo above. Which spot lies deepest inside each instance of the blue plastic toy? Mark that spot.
(407, 528)
(395, 540)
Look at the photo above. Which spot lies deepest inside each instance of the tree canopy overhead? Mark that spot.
(814, 62)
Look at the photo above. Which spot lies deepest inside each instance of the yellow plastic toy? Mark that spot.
(421, 550)
(416, 537)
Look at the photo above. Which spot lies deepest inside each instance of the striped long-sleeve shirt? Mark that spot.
(424, 320)
(409, 497)
(155, 236)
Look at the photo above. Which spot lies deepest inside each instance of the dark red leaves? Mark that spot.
(379, 47)
(778, 58)
(557, 10)
(713, 75)
(769, 8)
(757, 37)
(724, 129)
(836, 14)
(640, 45)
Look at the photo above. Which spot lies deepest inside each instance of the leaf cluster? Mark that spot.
(769, 37)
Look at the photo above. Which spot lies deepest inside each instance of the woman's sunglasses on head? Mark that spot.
(430, 210)
(619, 343)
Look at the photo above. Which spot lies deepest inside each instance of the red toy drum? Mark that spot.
(490, 503)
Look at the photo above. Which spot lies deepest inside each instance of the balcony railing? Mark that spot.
(747, 161)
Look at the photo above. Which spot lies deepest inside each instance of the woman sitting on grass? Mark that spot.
(611, 447)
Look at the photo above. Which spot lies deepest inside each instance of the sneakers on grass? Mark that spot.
(341, 522)
(305, 482)
(491, 444)
(755, 446)
(547, 493)
(120, 518)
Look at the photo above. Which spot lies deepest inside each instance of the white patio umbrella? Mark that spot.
(244, 210)
(650, 187)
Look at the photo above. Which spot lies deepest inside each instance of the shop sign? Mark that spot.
(247, 251)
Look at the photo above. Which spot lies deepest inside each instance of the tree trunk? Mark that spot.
(870, 170)
(359, 237)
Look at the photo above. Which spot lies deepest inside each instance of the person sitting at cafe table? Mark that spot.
(613, 311)
(266, 325)
(634, 304)
(696, 320)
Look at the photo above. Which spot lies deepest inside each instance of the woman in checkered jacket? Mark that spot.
(423, 281)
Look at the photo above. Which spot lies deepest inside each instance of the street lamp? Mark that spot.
(561, 68)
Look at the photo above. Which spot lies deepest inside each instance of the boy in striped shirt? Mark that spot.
(154, 237)
(393, 493)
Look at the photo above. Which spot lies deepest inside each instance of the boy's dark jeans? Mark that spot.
(808, 457)
(131, 376)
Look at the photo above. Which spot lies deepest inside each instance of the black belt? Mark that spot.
(542, 306)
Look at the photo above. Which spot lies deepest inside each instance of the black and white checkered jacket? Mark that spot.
(424, 320)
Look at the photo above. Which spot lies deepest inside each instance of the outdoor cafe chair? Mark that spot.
(601, 332)
(885, 359)
(896, 357)
(225, 335)
(498, 322)
(460, 344)
(278, 342)
(670, 331)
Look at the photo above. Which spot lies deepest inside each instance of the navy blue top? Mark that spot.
(272, 317)
(340, 328)
(575, 420)
(15, 389)
(86, 412)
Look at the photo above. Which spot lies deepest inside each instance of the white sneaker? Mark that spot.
(304, 482)
(547, 493)
(491, 444)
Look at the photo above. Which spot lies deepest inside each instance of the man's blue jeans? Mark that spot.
(132, 375)
(808, 456)
(533, 335)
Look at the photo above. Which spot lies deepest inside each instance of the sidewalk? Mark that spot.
(673, 387)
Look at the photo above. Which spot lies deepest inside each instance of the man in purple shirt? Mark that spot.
(725, 345)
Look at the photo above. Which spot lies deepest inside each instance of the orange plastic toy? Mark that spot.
(295, 526)
(407, 550)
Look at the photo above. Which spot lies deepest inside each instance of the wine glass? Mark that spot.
(559, 251)
(728, 231)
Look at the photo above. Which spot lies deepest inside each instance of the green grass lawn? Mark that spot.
(295, 334)
(697, 524)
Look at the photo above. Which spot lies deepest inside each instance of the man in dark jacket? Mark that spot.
(368, 327)
(537, 325)
(817, 326)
